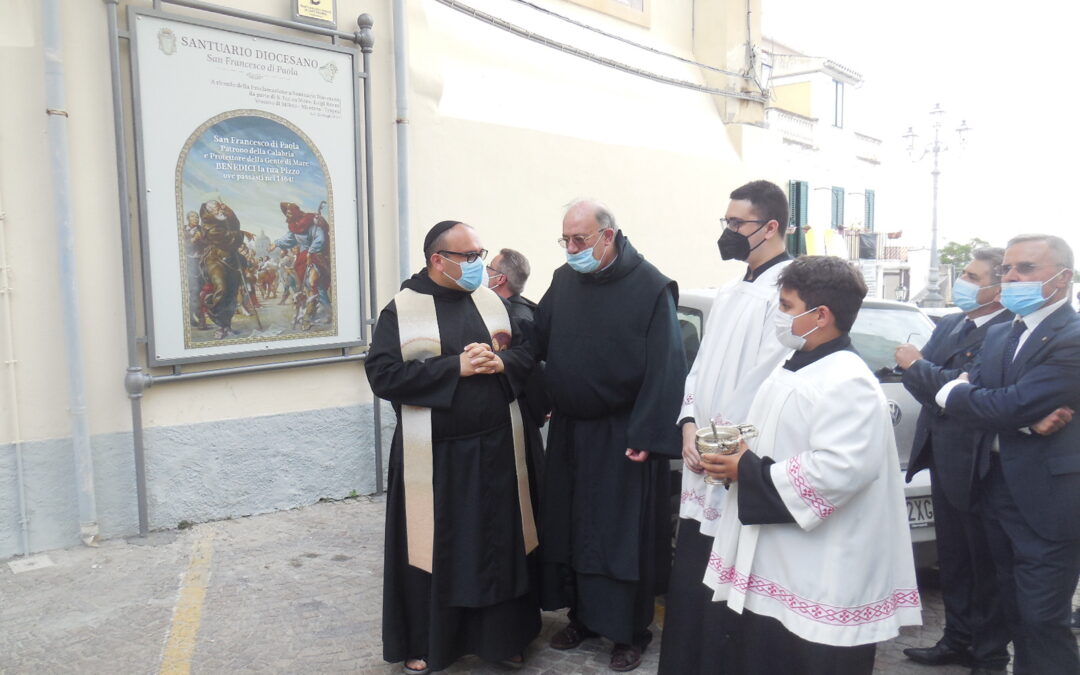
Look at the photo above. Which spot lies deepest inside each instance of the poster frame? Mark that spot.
(253, 349)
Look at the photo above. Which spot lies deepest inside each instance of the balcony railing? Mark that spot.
(794, 128)
(868, 148)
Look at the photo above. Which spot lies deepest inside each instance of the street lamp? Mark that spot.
(933, 292)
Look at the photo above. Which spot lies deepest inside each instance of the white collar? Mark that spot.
(985, 319)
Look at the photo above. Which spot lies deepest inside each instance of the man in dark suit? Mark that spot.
(975, 631)
(1021, 395)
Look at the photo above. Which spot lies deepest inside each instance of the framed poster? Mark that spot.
(247, 151)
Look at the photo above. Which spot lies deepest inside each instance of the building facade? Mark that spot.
(494, 112)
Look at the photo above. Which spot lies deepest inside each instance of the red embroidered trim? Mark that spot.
(709, 512)
(815, 501)
(828, 614)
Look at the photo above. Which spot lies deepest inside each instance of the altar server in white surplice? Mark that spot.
(812, 556)
(737, 353)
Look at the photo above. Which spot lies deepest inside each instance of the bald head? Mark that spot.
(591, 209)
(589, 225)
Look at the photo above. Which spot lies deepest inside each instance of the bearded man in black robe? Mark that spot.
(608, 330)
(459, 511)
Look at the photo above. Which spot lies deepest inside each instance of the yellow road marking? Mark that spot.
(176, 660)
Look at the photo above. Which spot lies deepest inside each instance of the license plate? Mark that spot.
(920, 512)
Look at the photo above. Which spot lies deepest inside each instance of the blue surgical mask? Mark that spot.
(964, 295)
(583, 261)
(472, 274)
(1024, 297)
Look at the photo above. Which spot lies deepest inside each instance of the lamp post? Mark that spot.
(936, 147)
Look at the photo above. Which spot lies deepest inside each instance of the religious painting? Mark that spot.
(250, 217)
(255, 215)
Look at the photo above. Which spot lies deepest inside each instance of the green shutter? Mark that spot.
(798, 191)
(837, 207)
(868, 220)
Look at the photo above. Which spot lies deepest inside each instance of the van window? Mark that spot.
(878, 331)
(690, 324)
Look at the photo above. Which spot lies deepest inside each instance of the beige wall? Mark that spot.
(506, 132)
(658, 155)
(793, 98)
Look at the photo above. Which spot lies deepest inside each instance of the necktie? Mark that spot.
(1011, 342)
(966, 329)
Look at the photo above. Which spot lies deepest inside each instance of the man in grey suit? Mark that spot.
(975, 632)
(1028, 464)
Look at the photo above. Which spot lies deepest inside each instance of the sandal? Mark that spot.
(423, 670)
(625, 657)
(514, 663)
(571, 636)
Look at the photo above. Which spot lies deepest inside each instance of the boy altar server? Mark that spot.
(812, 555)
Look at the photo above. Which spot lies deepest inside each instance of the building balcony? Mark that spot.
(793, 128)
(868, 148)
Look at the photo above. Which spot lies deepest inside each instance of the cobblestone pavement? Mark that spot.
(290, 592)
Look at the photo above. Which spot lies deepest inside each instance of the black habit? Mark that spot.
(615, 372)
(480, 597)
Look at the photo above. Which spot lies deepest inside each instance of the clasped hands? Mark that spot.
(479, 359)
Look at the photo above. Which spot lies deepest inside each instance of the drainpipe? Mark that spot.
(55, 108)
(13, 385)
(401, 95)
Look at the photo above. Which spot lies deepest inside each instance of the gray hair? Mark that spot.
(1058, 245)
(604, 218)
(992, 256)
(516, 268)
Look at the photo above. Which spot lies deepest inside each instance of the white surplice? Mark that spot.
(843, 573)
(738, 352)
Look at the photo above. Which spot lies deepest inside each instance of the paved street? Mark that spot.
(288, 592)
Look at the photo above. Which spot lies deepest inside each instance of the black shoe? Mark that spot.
(939, 655)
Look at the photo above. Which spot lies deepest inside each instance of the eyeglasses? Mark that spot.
(578, 239)
(736, 223)
(492, 272)
(470, 256)
(1021, 268)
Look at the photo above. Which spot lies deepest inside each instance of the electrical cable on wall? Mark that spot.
(595, 58)
(628, 41)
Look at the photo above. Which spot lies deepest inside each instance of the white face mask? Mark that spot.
(782, 323)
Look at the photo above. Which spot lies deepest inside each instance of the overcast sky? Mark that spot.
(1009, 69)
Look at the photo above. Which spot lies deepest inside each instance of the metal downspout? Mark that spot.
(135, 380)
(61, 179)
(13, 401)
(366, 43)
(401, 121)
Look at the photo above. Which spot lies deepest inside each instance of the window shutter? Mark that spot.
(837, 207)
(868, 220)
(798, 190)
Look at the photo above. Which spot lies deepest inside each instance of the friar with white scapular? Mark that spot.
(460, 531)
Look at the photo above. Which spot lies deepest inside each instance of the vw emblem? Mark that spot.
(895, 412)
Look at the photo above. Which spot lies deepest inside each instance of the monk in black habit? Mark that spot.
(607, 327)
(479, 596)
